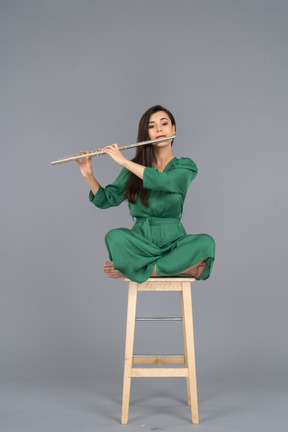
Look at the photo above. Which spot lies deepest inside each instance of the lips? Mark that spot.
(160, 136)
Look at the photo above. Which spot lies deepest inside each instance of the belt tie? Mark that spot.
(152, 220)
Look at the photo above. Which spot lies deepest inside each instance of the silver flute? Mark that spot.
(100, 152)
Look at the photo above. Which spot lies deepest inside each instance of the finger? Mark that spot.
(79, 161)
(108, 150)
(114, 146)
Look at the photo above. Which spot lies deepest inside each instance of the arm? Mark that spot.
(111, 195)
(85, 165)
(176, 180)
(135, 168)
(118, 157)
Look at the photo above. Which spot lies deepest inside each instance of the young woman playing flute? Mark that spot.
(155, 184)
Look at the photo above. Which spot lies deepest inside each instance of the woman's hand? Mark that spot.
(117, 156)
(85, 165)
(114, 152)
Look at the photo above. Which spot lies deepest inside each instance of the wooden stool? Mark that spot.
(188, 359)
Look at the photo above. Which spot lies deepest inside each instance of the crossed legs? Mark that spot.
(193, 271)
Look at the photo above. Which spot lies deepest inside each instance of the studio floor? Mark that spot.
(155, 405)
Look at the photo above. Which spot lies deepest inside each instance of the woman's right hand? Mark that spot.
(85, 165)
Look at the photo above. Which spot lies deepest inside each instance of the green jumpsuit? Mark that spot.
(158, 236)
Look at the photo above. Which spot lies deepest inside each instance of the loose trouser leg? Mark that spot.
(188, 251)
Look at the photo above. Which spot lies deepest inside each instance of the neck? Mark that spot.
(161, 155)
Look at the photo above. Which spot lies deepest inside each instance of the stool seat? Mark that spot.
(188, 370)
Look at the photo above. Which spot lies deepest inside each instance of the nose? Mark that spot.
(159, 128)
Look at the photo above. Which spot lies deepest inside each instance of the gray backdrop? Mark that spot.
(78, 75)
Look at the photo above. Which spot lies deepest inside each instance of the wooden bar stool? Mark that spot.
(188, 359)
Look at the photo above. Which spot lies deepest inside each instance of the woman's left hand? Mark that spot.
(114, 152)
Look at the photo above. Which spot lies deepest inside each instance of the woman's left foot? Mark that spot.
(196, 270)
(108, 268)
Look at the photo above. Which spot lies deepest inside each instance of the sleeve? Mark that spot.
(177, 180)
(113, 194)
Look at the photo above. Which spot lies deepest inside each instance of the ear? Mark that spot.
(173, 127)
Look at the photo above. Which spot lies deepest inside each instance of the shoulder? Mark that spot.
(184, 163)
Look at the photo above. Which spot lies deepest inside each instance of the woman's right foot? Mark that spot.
(108, 268)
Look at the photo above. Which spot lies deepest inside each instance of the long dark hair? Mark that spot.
(144, 156)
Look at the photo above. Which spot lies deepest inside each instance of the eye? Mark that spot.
(150, 126)
(165, 124)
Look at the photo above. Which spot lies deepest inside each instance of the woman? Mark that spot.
(155, 184)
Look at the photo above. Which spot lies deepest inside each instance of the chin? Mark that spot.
(162, 143)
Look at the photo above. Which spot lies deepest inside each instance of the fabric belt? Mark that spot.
(152, 220)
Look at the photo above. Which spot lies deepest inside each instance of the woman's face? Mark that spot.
(159, 126)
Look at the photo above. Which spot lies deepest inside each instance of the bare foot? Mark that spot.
(110, 271)
(196, 270)
(193, 271)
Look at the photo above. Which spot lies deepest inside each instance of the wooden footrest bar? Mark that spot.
(158, 319)
(159, 372)
(155, 359)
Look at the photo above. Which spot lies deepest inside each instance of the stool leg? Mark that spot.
(130, 330)
(185, 351)
(189, 335)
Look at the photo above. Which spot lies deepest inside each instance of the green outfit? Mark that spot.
(158, 237)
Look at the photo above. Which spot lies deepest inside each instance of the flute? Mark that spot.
(100, 152)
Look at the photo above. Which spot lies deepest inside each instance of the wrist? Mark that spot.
(88, 175)
(125, 163)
